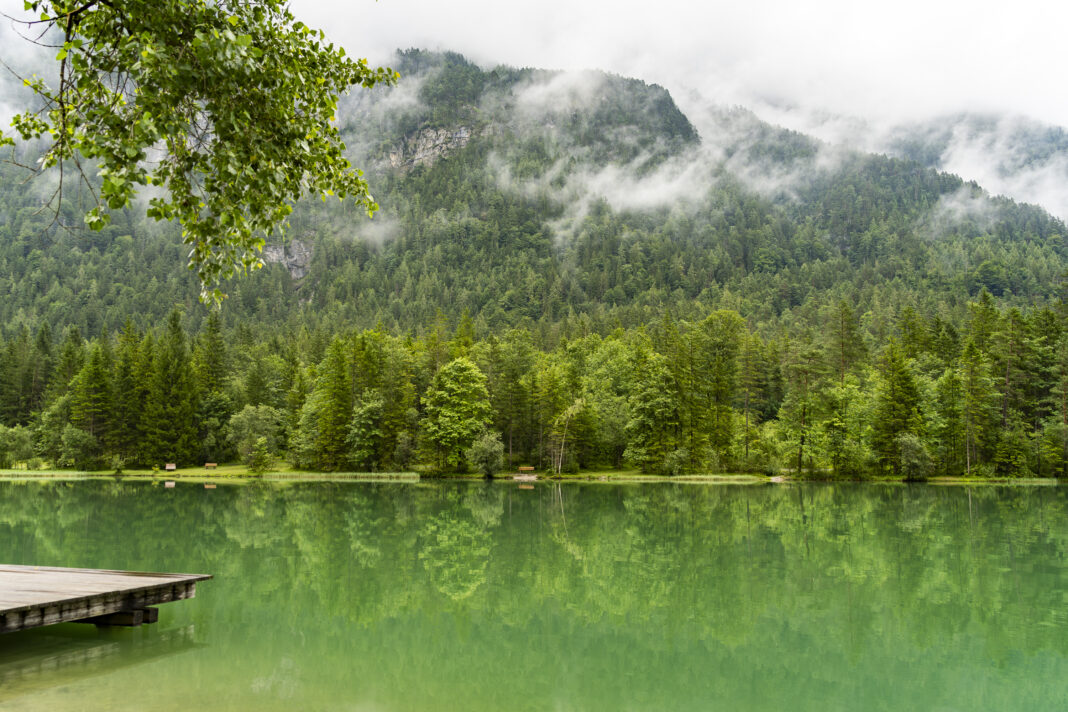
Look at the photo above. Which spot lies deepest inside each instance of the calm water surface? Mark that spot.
(470, 596)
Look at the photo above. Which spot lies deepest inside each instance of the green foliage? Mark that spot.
(172, 399)
(897, 413)
(636, 398)
(253, 426)
(486, 453)
(654, 422)
(239, 99)
(78, 449)
(260, 457)
(457, 409)
(365, 433)
(333, 401)
(912, 460)
(16, 445)
(831, 333)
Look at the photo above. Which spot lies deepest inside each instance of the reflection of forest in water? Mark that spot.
(588, 596)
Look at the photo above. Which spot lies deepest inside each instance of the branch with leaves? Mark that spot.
(227, 106)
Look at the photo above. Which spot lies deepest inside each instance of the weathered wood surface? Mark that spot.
(32, 596)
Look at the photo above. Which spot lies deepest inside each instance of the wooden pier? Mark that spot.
(33, 596)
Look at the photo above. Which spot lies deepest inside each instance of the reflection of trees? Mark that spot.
(455, 554)
(587, 579)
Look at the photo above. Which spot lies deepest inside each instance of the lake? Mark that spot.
(482, 596)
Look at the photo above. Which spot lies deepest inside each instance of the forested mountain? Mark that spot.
(606, 283)
(524, 196)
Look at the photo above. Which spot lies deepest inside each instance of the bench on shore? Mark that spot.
(170, 467)
(526, 474)
(210, 465)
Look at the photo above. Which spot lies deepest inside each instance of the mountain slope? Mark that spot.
(526, 196)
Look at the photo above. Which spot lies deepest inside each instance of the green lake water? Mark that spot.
(472, 596)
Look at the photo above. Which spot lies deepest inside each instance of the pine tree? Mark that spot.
(721, 337)
(751, 382)
(977, 407)
(846, 344)
(173, 399)
(41, 367)
(210, 356)
(984, 320)
(71, 360)
(948, 431)
(334, 399)
(897, 409)
(797, 413)
(130, 393)
(91, 397)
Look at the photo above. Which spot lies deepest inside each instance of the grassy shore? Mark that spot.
(284, 472)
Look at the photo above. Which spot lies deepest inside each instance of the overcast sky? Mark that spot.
(814, 66)
(899, 60)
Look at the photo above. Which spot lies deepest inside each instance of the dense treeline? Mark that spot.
(988, 396)
(876, 316)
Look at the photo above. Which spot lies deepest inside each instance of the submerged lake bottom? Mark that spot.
(484, 596)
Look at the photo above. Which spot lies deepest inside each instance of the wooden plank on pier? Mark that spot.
(32, 596)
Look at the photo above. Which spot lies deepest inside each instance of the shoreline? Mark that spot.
(236, 475)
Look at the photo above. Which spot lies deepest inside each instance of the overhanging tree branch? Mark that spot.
(239, 97)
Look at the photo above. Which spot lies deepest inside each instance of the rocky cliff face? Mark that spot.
(428, 145)
(295, 256)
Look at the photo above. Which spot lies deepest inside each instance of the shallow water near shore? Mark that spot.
(483, 596)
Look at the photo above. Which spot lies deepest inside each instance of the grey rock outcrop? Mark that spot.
(428, 145)
(295, 256)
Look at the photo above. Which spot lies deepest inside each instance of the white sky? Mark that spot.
(900, 60)
(811, 65)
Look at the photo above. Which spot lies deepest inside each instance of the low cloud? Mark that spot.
(969, 207)
(557, 93)
(378, 230)
(1005, 160)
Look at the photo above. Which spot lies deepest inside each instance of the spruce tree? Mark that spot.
(130, 388)
(173, 400)
(897, 409)
(334, 398)
(977, 407)
(724, 331)
(91, 397)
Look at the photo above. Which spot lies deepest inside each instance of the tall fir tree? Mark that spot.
(897, 414)
(173, 399)
(91, 404)
(334, 397)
